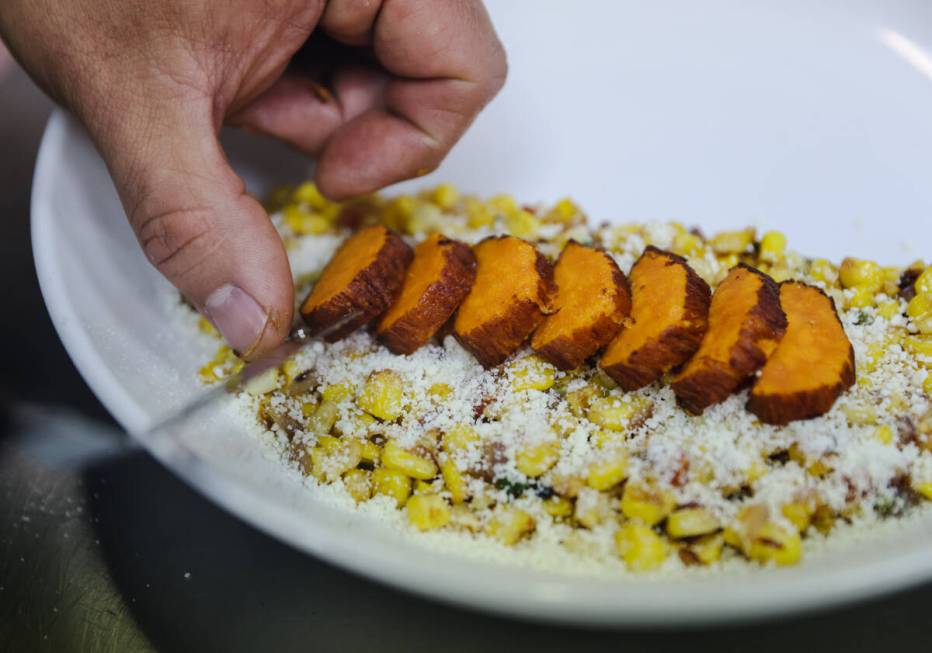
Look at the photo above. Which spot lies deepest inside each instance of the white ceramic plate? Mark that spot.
(811, 117)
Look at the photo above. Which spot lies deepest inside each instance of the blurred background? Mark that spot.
(101, 549)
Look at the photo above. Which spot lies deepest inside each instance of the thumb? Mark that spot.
(199, 228)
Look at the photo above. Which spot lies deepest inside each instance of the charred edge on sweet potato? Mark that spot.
(719, 369)
(568, 339)
(493, 337)
(372, 284)
(781, 394)
(432, 301)
(670, 348)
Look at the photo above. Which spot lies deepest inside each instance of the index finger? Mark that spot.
(446, 63)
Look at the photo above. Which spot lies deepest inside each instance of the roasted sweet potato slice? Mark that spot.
(437, 281)
(509, 299)
(591, 301)
(745, 325)
(363, 276)
(669, 316)
(812, 365)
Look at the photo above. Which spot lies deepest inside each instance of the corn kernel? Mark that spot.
(923, 324)
(888, 309)
(509, 524)
(478, 214)
(690, 522)
(563, 211)
(923, 284)
(532, 373)
(308, 409)
(927, 385)
(223, 364)
(919, 305)
(616, 414)
(860, 415)
(640, 547)
(687, 244)
(773, 543)
(445, 196)
(558, 507)
(522, 223)
(302, 222)
(428, 511)
(861, 274)
(398, 212)
(459, 437)
(381, 396)
(307, 193)
(359, 484)
(606, 439)
(772, 246)
(884, 434)
(733, 242)
(503, 204)
(323, 419)
(332, 457)
(263, 384)
(337, 392)
(425, 218)
(648, 504)
(592, 508)
(861, 298)
(708, 549)
(535, 459)
(925, 489)
(454, 480)
(371, 452)
(204, 326)
(392, 483)
(441, 390)
(579, 400)
(919, 346)
(822, 270)
(609, 470)
(799, 513)
(415, 466)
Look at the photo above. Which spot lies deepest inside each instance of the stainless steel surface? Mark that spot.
(101, 549)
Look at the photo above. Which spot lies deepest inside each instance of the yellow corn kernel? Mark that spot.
(919, 305)
(610, 470)
(925, 489)
(332, 457)
(927, 385)
(522, 223)
(923, 283)
(503, 204)
(822, 270)
(772, 246)
(428, 511)
(308, 408)
(861, 274)
(392, 483)
(861, 297)
(888, 309)
(884, 434)
(445, 196)
(454, 480)
(708, 549)
(923, 323)
(891, 280)
(558, 507)
(307, 193)
(337, 392)
(605, 439)
(640, 547)
(567, 485)
(459, 437)
(646, 503)
(773, 543)
(535, 459)
(733, 242)
(426, 218)
(616, 414)
(690, 522)
(860, 415)
(919, 346)
(478, 214)
(381, 396)
(323, 419)
(302, 222)
(204, 326)
(358, 483)
(799, 513)
(819, 468)
(579, 400)
(592, 508)
(415, 466)
(509, 525)
(563, 211)
(687, 244)
(371, 452)
(532, 373)
(223, 364)
(441, 390)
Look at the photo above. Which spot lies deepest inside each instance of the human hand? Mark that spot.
(154, 81)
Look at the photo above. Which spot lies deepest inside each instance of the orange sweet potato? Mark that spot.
(591, 301)
(438, 280)
(669, 317)
(509, 299)
(363, 276)
(745, 325)
(812, 365)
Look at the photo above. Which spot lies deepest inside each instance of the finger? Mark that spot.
(350, 21)
(305, 114)
(447, 63)
(197, 225)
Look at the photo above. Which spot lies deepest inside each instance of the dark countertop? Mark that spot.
(101, 549)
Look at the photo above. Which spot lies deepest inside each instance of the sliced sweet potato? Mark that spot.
(669, 317)
(745, 325)
(437, 281)
(363, 276)
(509, 299)
(591, 301)
(812, 365)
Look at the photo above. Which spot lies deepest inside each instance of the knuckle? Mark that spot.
(178, 240)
